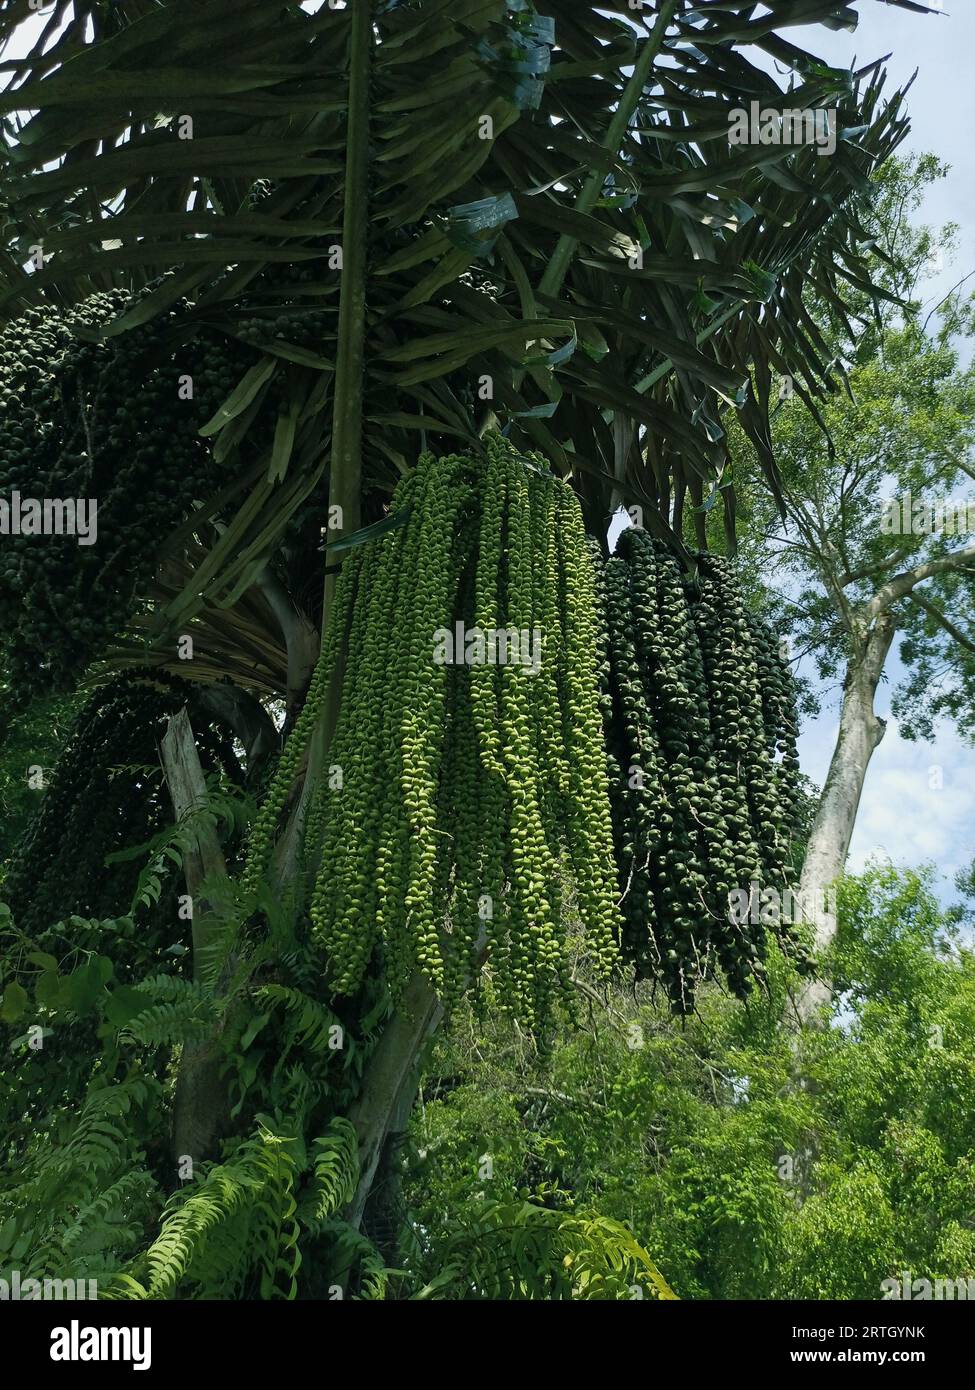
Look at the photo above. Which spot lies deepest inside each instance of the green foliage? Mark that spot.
(181, 1012)
(31, 739)
(96, 1028)
(221, 810)
(76, 1196)
(237, 1230)
(235, 1225)
(336, 1170)
(520, 1250)
(314, 1026)
(741, 1182)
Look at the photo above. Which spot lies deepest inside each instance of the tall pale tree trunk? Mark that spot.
(871, 628)
(859, 736)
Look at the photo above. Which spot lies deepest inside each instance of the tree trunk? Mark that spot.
(390, 1082)
(859, 736)
(201, 1105)
(391, 1079)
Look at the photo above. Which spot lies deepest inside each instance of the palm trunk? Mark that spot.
(390, 1084)
(391, 1075)
(201, 1105)
(859, 736)
(391, 1079)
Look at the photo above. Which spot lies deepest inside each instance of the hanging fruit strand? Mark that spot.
(588, 822)
(262, 831)
(699, 720)
(472, 801)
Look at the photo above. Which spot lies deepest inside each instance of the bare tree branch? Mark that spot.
(944, 621)
(902, 584)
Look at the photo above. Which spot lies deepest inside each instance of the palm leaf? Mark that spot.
(545, 193)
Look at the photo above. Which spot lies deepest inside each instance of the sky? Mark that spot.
(941, 102)
(902, 815)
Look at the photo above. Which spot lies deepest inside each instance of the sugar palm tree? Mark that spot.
(415, 221)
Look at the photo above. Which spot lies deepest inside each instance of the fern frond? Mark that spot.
(314, 1026)
(182, 1011)
(336, 1173)
(519, 1250)
(237, 1226)
(129, 1194)
(221, 810)
(353, 1251)
(82, 1194)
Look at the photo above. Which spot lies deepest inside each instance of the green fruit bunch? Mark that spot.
(104, 794)
(699, 715)
(463, 816)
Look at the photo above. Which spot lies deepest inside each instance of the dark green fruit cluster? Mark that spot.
(114, 422)
(462, 793)
(700, 724)
(305, 328)
(104, 794)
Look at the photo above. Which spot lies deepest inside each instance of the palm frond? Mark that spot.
(558, 232)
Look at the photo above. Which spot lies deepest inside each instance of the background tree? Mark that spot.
(850, 579)
(30, 751)
(693, 1133)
